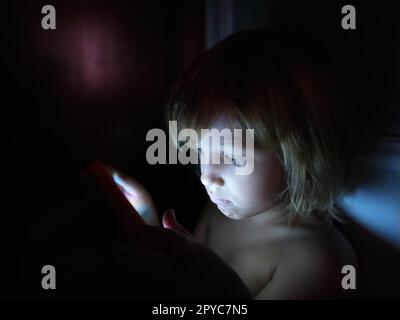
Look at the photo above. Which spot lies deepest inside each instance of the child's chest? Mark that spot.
(234, 242)
(226, 236)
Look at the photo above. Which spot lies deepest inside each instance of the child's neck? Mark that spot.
(270, 216)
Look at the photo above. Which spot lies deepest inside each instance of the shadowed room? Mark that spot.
(93, 88)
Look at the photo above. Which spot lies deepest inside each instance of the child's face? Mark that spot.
(241, 196)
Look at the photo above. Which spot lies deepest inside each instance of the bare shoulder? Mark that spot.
(327, 243)
(306, 263)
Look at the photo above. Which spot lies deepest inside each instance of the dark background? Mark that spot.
(92, 88)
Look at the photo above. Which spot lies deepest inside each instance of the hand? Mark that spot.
(137, 195)
(169, 222)
(170, 258)
(98, 257)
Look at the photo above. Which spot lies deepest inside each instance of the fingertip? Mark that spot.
(117, 178)
(168, 218)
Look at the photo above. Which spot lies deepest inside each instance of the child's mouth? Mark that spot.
(219, 201)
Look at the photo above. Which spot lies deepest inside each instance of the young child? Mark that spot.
(273, 226)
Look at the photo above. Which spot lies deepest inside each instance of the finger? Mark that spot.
(169, 222)
(117, 201)
(138, 197)
(134, 191)
(128, 185)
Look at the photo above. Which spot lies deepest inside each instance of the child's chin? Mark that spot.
(231, 214)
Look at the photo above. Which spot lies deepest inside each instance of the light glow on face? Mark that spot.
(241, 196)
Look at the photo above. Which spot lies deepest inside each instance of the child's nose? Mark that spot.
(211, 180)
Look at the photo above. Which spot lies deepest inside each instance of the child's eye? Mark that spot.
(237, 162)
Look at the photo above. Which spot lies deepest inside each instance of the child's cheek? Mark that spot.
(245, 190)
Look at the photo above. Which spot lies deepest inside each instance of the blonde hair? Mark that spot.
(280, 85)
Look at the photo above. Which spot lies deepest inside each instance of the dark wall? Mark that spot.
(91, 89)
(367, 62)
